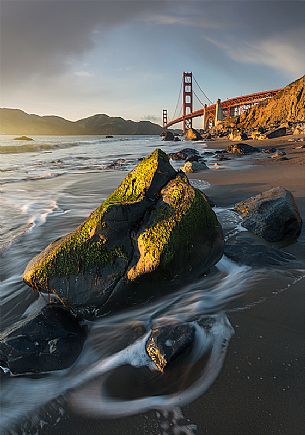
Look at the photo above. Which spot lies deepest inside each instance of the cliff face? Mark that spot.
(287, 106)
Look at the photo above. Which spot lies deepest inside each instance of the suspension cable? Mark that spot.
(179, 97)
(200, 102)
(202, 90)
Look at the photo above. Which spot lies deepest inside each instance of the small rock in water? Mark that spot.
(165, 343)
(23, 138)
(50, 340)
(168, 136)
(272, 215)
(190, 167)
(184, 154)
(109, 136)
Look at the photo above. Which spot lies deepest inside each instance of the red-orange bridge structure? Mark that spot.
(211, 113)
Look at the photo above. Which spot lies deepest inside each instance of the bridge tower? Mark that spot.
(164, 118)
(187, 102)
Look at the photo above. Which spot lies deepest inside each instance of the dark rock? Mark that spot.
(116, 164)
(241, 148)
(50, 340)
(184, 154)
(277, 132)
(165, 343)
(194, 158)
(168, 136)
(272, 215)
(155, 232)
(109, 136)
(192, 134)
(177, 139)
(221, 157)
(252, 255)
(193, 166)
(23, 138)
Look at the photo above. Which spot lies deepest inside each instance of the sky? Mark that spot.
(75, 58)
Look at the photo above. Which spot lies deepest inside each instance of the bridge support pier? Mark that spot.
(219, 113)
(187, 102)
(204, 117)
(164, 118)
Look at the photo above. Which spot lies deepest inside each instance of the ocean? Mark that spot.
(47, 188)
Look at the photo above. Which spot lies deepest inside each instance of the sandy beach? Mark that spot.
(260, 389)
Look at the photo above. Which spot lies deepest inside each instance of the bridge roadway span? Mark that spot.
(230, 107)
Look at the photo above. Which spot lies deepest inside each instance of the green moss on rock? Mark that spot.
(181, 215)
(79, 251)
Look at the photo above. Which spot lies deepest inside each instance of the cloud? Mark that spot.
(45, 37)
(284, 52)
(152, 118)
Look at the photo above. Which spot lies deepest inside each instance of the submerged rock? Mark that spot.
(167, 342)
(154, 232)
(241, 148)
(192, 134)
(50, 340)
(190, 167)
(168, 136)
(272, 215)
(255, 255)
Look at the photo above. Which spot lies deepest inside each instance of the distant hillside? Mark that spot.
(15, 121)
(287, 106)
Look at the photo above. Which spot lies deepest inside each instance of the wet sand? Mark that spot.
(261, 387)
(260, 390)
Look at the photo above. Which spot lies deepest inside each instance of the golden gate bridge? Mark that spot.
(211, 113)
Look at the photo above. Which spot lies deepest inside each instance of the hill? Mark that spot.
(15, 121)
(287, 106)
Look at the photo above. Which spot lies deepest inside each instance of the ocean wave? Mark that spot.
(34, 148)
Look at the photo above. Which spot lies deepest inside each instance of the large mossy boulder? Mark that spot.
(272, 215)
(154, 232)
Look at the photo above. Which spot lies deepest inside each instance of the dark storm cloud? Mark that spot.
(44, 36)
